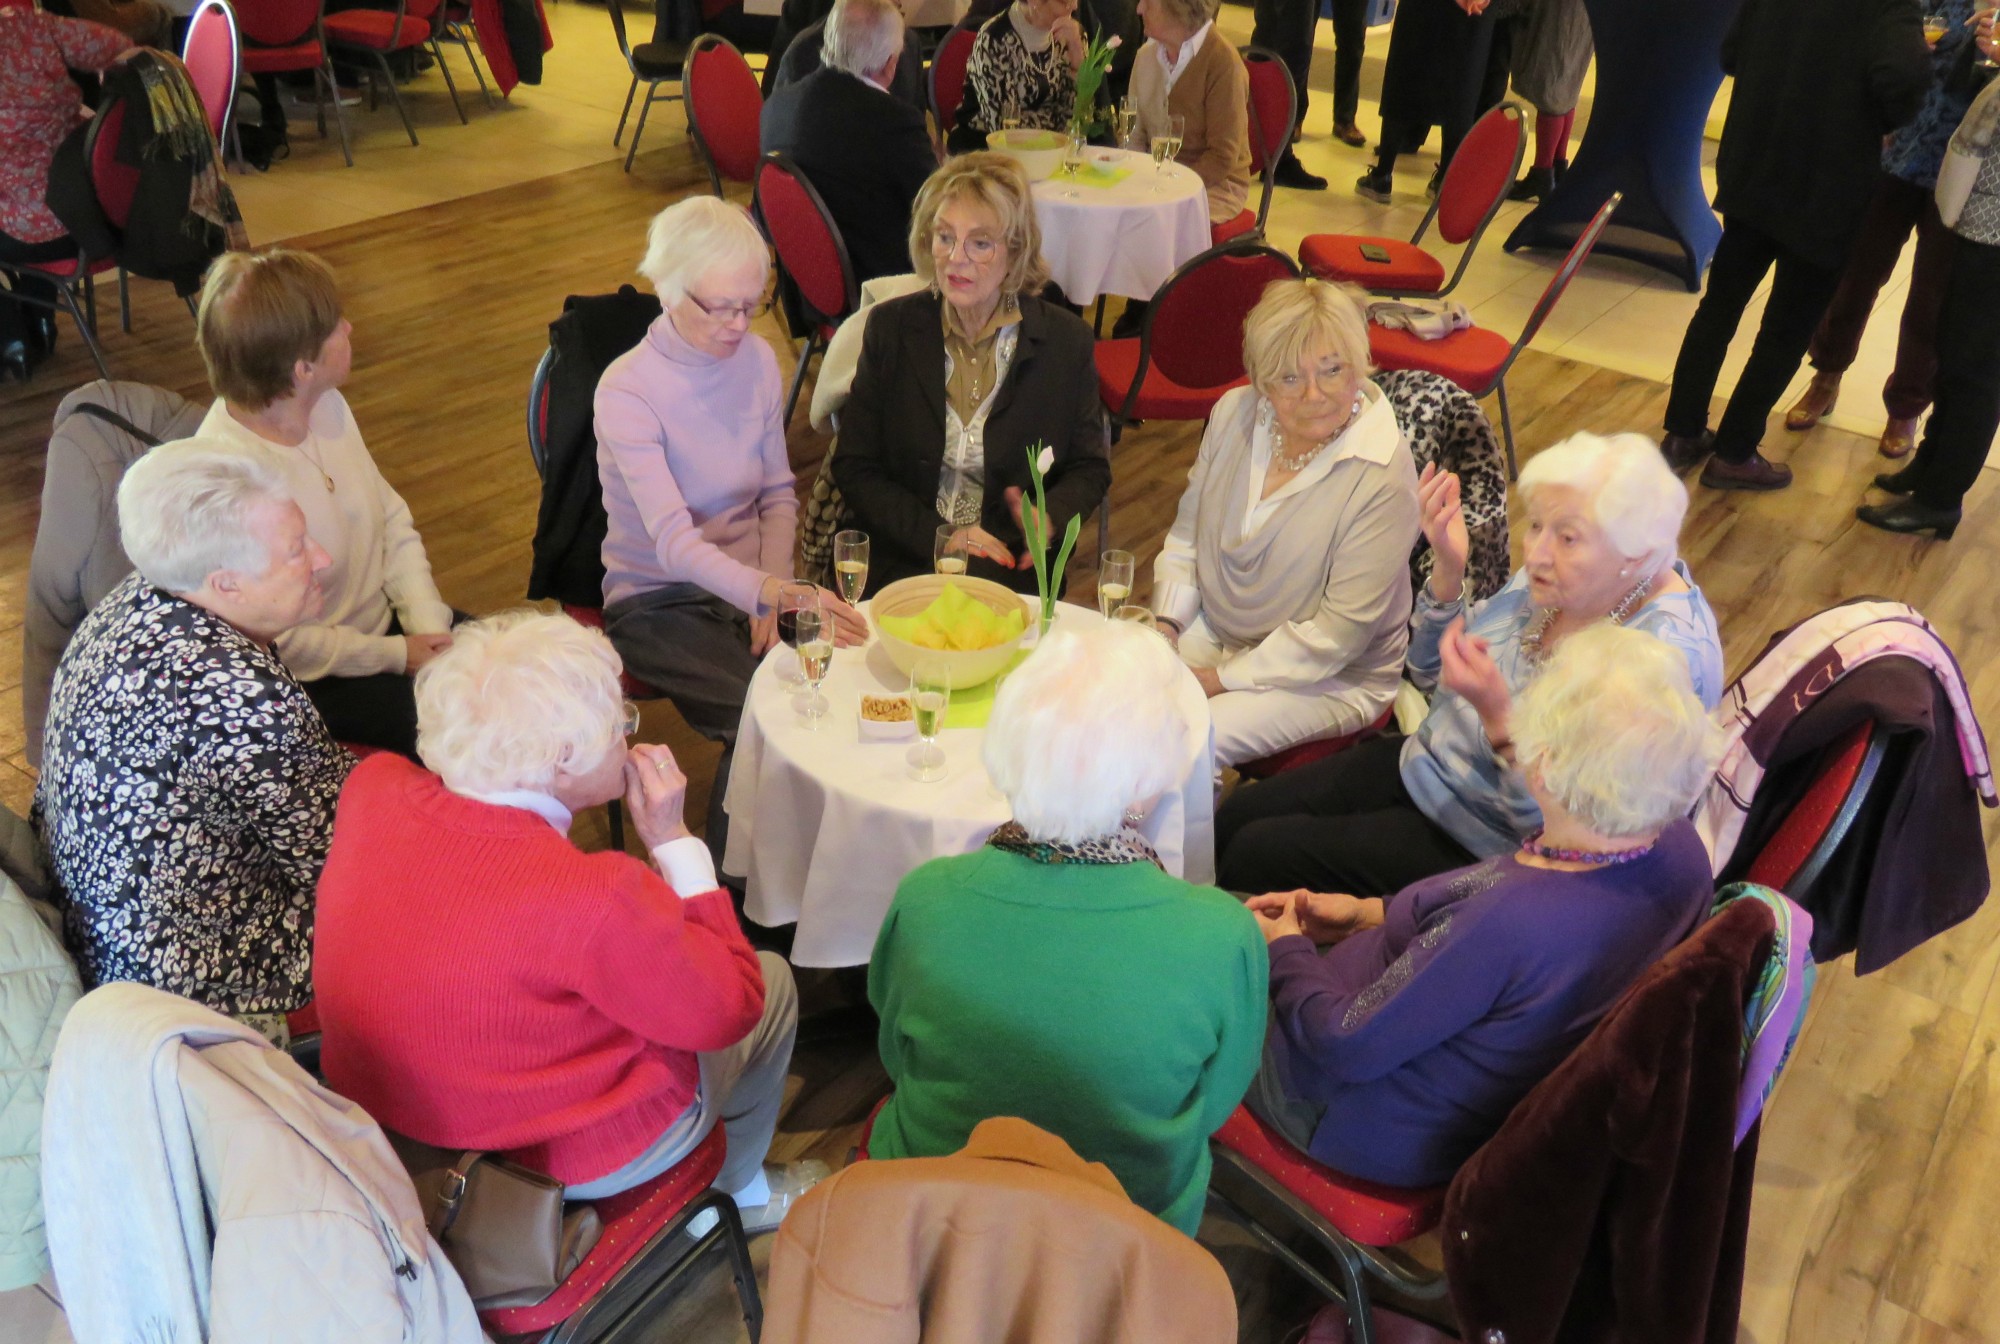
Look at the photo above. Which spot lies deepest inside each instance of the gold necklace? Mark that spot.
(316, 465)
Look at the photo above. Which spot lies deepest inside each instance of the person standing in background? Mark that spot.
(1286, 29)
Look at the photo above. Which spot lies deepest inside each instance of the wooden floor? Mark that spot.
(1881, 1154)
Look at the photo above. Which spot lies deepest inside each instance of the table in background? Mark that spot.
(823, 826)
(1125, 239)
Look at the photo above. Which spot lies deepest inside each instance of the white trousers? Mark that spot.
(1250, 725)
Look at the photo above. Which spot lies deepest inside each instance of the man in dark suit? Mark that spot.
(804, 56)
(865, 151)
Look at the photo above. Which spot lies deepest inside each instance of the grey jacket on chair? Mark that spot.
(78, 558)
(38, 983)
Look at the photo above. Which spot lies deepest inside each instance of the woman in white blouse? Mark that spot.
(1285, 580)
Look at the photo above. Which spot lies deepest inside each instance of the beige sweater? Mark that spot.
(1213, 93)
(379, 568)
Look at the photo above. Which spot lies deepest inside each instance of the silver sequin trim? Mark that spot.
(1369, 1001)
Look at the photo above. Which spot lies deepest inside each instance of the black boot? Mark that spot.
(14, 362)
(1902, 482)
(1291, 173)
(1909, 516)
(1538, 183)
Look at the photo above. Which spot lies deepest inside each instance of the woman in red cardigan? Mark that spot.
(484, 984)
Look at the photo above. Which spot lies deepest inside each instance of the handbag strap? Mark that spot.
(451, 1194)
(111, 417)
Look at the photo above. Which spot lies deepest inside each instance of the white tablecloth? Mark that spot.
(823, 826)
(1124, 239)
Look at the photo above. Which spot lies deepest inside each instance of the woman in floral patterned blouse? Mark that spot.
(188, 786)
(1024, 65)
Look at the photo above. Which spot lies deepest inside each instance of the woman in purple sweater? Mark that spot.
(1398, 1050)
(697, 488)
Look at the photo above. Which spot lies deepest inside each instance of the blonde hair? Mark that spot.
(517, 696)
(997, 182)
(1615, 732)
(1294, 316)
(1086, 728)
(260, 314)
(1633, 494)
(184, 511)
(695, 236)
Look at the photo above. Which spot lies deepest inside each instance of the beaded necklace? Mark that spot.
(1531, 645)
(1304, 459)
(1602, 858)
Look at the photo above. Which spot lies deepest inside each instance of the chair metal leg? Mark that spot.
(619, 134)
(90, 300)
(799, 377)
(124, 301)
(1507, 432)
(742, 1269)
(193, 311)
(472, 59)
(325, 72)
(87, 328)
(395, 95)
(437, 54)
(652, 87)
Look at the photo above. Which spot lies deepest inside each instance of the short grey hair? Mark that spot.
(1615, 731)
(184, 511)
(1634, 495)
(693, 237)
(1191, 14)
(861, 35)
(1086, 728)
(516, 696)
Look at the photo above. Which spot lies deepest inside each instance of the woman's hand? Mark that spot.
(1070, 33)
(1982, 33)
(1444, 528)
(420, 649)
(978, 541)
(655, 794)
(1277, 916)
(1210, 679)
(763, 633)
(1324, 918)
(1466, 667)
(850, 627)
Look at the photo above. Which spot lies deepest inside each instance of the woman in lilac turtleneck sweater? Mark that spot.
(697, 488)
(1397, 1051)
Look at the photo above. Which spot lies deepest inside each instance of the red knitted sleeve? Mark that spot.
(675, 971)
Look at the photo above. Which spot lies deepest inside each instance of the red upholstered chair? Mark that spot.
(655, 62)
(1305, 753)
(283, 37)
(1477, 359)
(1274, 105)
(1190, 350)
(1478, 180)
(810, 252)
(213, 55)
(724, 104)
(1798, 851)
(946, 77)
(379, 33)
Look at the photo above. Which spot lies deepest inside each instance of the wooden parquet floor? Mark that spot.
(1881, 1151)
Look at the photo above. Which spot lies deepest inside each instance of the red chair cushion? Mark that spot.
(631, 1220)
(805, 241)
(375, 29)
(1362, 1211)
(303, 1021)
(594, 618)
(1471, 358)
(948, 74)
(1800, 832)
(1160, 398)
(1305, 753)
(64, 269)
(1245, 222)
(1337, 256)
(283, 60)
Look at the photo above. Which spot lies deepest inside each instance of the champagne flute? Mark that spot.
(1137, 615)
(1114, 581)
(1010, 120)
(1072, 161)
(930, 697)
(1167, 144)
(815, 649)
(850, 564)
(794, 597)
(950, 552)
(1128, 121)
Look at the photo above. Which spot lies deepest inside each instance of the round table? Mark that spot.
(823, 826)
(1126, 238)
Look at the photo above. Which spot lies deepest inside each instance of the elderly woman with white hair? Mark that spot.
(187, 789)
(1402, 1048)
(1603, 523)
(1059, 973)
(697, 486)
(482, 983)
(1286, 575)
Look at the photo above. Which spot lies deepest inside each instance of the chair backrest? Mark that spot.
(1579, 252)
(213, 54)
(617, 12)
(1481, 174)
(1194, 329)
(1799, 850)
(115, 183)
(724, 103)
(1274, 105)
(802, 233)
(278, 23)
(946, 76)
(538, 414)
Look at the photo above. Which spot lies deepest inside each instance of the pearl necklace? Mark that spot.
(1532, 644)
(1304, 460)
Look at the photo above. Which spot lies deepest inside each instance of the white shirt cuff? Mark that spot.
(687, 866)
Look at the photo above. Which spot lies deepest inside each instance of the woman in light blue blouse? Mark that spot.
(1603, 522)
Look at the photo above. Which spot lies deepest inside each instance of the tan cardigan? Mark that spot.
(1213, 93)
(1013, 1240)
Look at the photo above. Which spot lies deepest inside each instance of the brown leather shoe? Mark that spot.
(1349, 134)
(1755, 472)
(1898, 438)
(1813, 403)
(1685, 451)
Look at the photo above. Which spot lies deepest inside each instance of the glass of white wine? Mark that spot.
(1167, 145)
(950, 552)
(850, 564)
(930, 697)
(1128, 121)
(815, 649)
(1072, 161)
(1138, 615)
(1114, 581)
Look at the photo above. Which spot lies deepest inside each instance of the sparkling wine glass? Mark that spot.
(1128, 121)
(815, 650)
(850, 564)
(1114, 581)
(1072, 161)
(930, 697)
(794, 597)
(1136, 614)
(949, 554)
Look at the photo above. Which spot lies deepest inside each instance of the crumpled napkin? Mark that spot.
(956, 620)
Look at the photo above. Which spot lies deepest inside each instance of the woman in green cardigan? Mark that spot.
(1058, 973)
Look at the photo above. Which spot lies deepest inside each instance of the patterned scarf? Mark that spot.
(181, 131)
(1123, 846)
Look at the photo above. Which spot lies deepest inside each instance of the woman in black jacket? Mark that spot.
(957, 384)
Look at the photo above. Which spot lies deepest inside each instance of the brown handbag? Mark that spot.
(501, 1224)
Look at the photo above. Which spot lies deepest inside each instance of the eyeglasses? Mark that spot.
(729, 312)
(631, 720)
(979, 249)
(1327, 380)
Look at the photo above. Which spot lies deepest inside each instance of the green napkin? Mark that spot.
(1096, 175)
(970, 709)
(955, 620)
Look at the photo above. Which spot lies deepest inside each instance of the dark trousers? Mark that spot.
(1345, 824)
(1799, 294)
(1896, 208)
(373, 711)
(1967, 412)
(1285, 28)
(1467, 72)
(13, 320)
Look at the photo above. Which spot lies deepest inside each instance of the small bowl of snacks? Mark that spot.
(887, 718)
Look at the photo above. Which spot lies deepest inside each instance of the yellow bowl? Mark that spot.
(1039, 153)
(969, 667)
